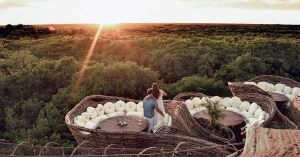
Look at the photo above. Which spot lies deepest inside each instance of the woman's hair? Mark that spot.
(149, 91)
(155, 90)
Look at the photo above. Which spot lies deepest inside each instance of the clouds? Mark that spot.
(7, 4)
(266, 4)
(249, 4)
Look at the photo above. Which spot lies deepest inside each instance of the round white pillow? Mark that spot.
(296, 91)
(236, 102)
(120, 106)
(201, 109)
(109, 107)
(204, 99)
(85, 115)
(140, 107)
(244, 106)
(253, 107)
(100, 109)
(197, 102)
(215, 99)
(287, 90)
(226, 102)
(189, 104)
(279, 87)
(90, 109)
(270, 87)
(257, 112)
(233, 109)
(93, 114)
(90, 125)
(130, 106)
(262, 85)
(80, 120)
(250, 83)
(246, 114)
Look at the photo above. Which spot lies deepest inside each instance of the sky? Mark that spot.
(149, 11)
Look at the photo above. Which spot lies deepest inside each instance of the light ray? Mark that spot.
(88, 57)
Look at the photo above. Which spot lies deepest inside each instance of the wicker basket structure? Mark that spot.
(253, 93)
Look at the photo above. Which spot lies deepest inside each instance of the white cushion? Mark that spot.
(246, 114)
(226, 102)
(270, 87)
(233, 109)
(100, 109)
(114, 114)
(90, 125)
(193, 112)
(259, 122)
(167, 118)
(197, 102)
(204, 99)
(189, 104)
(215, 99)
(290, 96)
(99, 119)
(244, 106)
(93, 114)
(262, 116)
(169, 121)
(279, 87)
(135, 113)
(86, 115)
(295, 91)
(109, 107)
(90, 109)
(79, 120)
(251, 121)
(120, 106)
(287, 90)
(236, 102)
(130, 106)
(262, 85)
(253, 107)
(257, 112)
(250, 83)
(140, 107)
(278, 92)
(200, 109)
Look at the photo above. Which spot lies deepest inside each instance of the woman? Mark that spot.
(158, 95)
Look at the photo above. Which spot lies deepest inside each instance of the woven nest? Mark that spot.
(276, 79)
(294, 111)
(271, 142)
(253, 93)
(181, 118)
(157, 145)
(167, 138)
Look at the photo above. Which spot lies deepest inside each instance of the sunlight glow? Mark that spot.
(88, 57)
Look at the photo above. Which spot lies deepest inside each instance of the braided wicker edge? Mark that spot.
(275, 79)
(294, 111)
(181, 118)
(252, 93)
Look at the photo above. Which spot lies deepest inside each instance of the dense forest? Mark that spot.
(40, 66)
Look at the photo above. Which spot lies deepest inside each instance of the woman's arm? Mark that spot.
(163, 92)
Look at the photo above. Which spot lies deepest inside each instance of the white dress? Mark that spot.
(159, 119)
